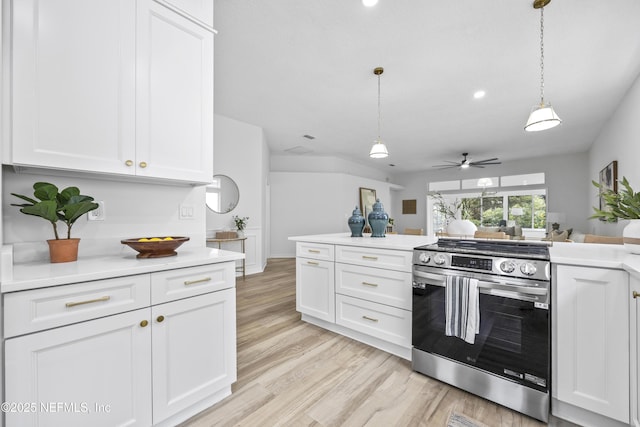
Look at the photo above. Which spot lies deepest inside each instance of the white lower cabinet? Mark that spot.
(156, 365)
(193, 355)
(315, 288)
(96, 373)
(365, 293)
(591, 343)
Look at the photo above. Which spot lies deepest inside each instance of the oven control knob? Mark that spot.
(425, 258)
(528, 269)
(507, 266)
(439, 259)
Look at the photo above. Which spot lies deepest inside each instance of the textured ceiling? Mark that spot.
(296, 67)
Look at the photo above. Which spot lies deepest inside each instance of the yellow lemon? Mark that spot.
(144, 239)
(155, 239)
(168, 238)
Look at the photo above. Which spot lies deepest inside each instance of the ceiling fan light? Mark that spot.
(464, 165)
(542, 117)
(379, 150)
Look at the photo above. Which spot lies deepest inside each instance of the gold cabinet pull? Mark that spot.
(369, 318)
(314, 251)
(375, 285)
(193, 282)
(143, 164)
(160, 319)
(373, 258)
(635, 294)
(129, 163)
(74, 303)
(312, 263)
(144, 323)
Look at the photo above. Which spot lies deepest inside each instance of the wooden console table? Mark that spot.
(233, 239)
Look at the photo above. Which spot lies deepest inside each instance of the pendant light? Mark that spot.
(379, 150)
(542, 116)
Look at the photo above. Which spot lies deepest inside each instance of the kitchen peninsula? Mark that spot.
(118, 340)
(359, 287)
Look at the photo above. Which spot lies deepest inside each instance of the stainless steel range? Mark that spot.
(507, 360)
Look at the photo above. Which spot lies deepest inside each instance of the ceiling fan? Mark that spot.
(465, 163)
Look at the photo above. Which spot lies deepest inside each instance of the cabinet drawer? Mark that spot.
(315, 250)
(381, 321)
(45, 308)
(374, 284)
(381, 258)
(186, 282)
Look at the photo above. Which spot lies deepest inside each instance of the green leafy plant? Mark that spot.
(449, 210)
(241, 222)
(625, 204)
(67, 205)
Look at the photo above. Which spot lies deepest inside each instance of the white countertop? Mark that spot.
(42, 274)
(403, 242)
(595, 255)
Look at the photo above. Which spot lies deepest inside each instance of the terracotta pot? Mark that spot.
(63, 250)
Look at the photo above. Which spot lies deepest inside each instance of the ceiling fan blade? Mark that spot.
(475, 165)
(485, 160)
(446, 166)
(486, 163)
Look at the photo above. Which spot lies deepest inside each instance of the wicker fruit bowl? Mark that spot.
(155, 247)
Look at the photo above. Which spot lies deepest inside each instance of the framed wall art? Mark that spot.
(367, 199)
(608, 180)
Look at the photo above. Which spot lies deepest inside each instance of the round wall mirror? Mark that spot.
(222, 194)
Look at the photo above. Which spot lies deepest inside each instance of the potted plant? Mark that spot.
(241, 223)
(67, 206)
(624, 204)
(450, 211)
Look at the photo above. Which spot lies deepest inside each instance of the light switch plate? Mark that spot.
(186, 212)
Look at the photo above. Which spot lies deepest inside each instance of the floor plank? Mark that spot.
(291, 373)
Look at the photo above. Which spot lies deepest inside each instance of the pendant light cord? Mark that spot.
(542, 56)
(379, 115)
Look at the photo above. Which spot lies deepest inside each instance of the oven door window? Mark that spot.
(513, 341)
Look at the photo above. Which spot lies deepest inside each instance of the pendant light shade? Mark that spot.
(542, 116)
(379, 150)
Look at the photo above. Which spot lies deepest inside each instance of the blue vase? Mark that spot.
(378, 220)
(356, 223)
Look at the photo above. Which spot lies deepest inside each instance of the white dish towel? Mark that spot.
(462, 308)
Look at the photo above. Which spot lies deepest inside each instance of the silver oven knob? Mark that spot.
(425, 257)
(528, 269)
(507, 266)
(439, 259)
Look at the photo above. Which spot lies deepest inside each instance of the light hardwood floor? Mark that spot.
(291, 373)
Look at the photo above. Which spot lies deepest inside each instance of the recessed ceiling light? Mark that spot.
(479, 94)
(369, 3)
(309, 136)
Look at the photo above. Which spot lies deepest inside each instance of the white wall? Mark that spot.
(304, 203)
(305, 163)
(618, 140)
(567, 181)
(132, 210)
(239, 153)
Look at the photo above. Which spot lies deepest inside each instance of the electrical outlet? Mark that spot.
(186, 212)
(97, 214)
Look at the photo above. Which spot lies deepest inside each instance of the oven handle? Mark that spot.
(440, 280)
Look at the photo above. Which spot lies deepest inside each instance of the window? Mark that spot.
(526, 208)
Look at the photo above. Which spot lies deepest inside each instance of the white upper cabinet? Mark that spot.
(105, 86)
(202, 10)
(174, 96)
(73, 76)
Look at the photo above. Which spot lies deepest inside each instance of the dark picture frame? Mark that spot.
(367, 199)
(608, 180)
